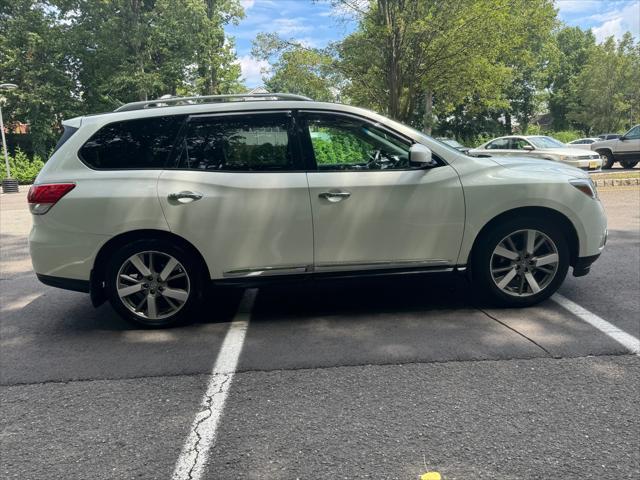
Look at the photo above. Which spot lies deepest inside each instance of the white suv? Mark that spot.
(146, 205)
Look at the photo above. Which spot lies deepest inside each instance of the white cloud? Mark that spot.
(252, 70)
(617, 22)
(247, 4)
(290, 26)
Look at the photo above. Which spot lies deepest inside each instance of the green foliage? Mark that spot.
(23, 168)
(296, 68)
(565, 136)
(34, 54)
(72, 57)
(340, 148)
(574, 47)
(605, 96)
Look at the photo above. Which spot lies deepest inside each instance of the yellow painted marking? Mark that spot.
(430, 476)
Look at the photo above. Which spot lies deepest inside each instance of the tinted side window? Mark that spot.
(342, 143)
(518, 144)
(132, 144)
(499, 144)
(238, 143)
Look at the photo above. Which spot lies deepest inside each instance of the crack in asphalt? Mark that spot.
(517, 332)
(207, 407)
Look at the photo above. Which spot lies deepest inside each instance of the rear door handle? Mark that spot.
(334, 197)
(185, 196)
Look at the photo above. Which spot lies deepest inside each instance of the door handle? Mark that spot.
(334, 197)
(185, 196)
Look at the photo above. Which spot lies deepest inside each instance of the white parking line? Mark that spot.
(193, 457)
(625, 339)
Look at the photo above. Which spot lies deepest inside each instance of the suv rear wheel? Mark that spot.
(153, 283)
(520, 262)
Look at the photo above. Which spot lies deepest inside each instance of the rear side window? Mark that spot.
(499, 144)
(132, 144)
(66, 135)
(247, 143)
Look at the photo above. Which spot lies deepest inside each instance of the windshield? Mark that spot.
(546, 142)
(451, 142)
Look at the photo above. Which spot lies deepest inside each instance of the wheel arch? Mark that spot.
(603, 150)
(559, 219)
(100, 263)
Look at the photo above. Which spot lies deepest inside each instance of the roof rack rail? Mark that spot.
(175, 101)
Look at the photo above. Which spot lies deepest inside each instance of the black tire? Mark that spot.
(608, 160)
(628, 163)
(194, 280)
(484, 285)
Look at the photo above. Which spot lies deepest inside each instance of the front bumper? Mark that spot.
(583, 265)
(592, 164)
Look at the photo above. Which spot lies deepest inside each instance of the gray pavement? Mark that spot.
(349, 379)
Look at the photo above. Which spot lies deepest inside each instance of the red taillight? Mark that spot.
(42, 197)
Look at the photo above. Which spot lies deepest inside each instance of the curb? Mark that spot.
(617, 182)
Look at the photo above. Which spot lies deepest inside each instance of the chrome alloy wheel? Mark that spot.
(153, 285)
(524, 263)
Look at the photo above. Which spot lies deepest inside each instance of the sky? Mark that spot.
(314, 24)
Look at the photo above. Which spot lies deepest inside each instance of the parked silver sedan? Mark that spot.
(539, 146)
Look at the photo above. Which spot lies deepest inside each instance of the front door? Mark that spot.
(372, 210)
(238, 193)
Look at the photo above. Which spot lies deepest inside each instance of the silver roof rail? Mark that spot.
(175, 101)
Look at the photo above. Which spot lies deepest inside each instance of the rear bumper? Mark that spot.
(65, 283)
(583, 265)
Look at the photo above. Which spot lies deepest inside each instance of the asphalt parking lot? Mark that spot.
(382, 379)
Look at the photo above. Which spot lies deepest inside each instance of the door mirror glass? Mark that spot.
(420, 156)
(527, 147)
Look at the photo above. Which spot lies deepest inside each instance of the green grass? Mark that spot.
(615, 176)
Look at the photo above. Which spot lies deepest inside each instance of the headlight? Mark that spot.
(563, 158)
(586, 186)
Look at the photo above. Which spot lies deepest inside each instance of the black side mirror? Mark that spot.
(622, 138)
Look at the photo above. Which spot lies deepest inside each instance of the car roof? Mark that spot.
(261, 104)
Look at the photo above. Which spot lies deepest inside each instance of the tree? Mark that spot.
(296, 68)
(605, 95)
(409, 55)
(33, 56)
(574, 47)
(171, 46)
(218, 71)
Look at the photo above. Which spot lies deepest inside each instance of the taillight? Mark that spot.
(42, 197)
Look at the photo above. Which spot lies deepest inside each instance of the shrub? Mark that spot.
(23, 168)
(565, 136)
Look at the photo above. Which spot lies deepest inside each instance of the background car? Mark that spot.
(625, 149)
(539, 146)
(583, 143)
(609, 136)
(454, 143)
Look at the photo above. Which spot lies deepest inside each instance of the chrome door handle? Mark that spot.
(334, 196)
(185, 196)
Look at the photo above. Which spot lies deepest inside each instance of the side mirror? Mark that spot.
(421, 157)
(528, 148)
(622, 138)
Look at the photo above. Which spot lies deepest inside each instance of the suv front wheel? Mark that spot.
(520, 262)
(153, 283)
(607, 160)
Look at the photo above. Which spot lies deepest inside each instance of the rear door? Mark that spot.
(371, 209)
(237, 192)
